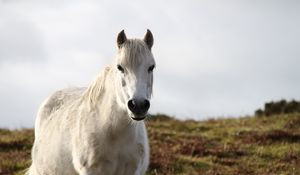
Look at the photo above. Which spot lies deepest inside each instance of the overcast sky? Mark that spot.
(214, 58)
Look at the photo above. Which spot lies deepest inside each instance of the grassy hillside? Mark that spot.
(252, 145)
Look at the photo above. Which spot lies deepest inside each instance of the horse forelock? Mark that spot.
(133, 52)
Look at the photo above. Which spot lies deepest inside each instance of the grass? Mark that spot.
(250, 145)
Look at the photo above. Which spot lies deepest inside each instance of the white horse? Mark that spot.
(99, 130)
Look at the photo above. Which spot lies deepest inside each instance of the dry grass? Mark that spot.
(252, 145)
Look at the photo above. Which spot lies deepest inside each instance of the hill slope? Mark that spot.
(252, 145)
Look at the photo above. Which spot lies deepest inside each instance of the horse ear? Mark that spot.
(121, 38)
(148, 39)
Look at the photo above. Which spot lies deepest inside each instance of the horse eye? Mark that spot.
(120, 68)
(151, 68)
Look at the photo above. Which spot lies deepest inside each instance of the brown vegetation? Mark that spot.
(264, 145)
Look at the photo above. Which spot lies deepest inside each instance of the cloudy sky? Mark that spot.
(214, 58)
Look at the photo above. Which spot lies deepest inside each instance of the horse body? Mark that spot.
(91, 131)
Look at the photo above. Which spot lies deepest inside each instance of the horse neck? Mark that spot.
(101, 97)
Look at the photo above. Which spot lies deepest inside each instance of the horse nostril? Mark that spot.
(131, 105)
(146, 105)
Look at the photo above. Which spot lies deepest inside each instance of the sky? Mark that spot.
(214, 58)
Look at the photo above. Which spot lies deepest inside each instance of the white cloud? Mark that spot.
(20, 39)
(213, 57)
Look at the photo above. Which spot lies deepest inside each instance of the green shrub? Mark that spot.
(279, 107)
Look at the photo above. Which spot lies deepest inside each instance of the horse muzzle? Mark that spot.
(139, 108)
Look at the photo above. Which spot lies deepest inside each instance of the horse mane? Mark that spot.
(96, 88)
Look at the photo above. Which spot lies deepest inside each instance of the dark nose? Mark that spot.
(138, 107)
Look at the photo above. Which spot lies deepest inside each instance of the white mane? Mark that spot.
(94, 91)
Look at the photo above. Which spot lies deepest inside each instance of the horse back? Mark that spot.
(56, 102)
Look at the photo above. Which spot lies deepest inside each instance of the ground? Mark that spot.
(248, 145)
